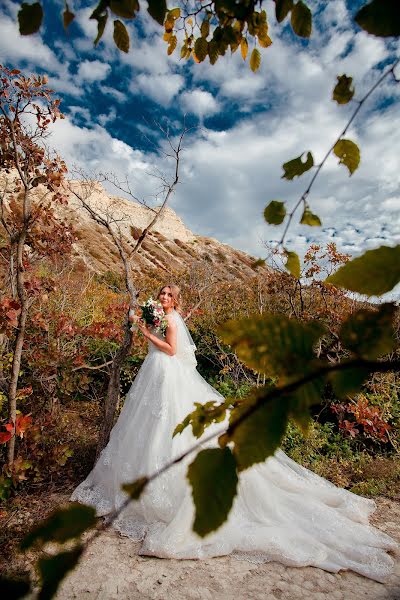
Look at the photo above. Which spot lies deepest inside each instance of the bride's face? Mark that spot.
(166, 298)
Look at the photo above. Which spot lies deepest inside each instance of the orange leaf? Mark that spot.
(4, 437)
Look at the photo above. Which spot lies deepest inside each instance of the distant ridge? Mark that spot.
(170, 246)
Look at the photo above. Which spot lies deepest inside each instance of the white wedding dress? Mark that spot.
(282, 512)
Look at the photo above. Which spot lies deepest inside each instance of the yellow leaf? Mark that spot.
(190, 21)
(244, 48)
(264, 41)
(174, 13)
(255, 60)
(172, 44)
(167, 35)
(205, 29)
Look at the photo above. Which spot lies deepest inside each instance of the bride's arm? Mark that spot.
(169, 345)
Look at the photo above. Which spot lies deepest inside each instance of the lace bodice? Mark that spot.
(185, 348)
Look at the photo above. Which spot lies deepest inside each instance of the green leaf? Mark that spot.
(274, 344)
(213, 51)
(136, 488)
(201, 48)
(349, 381)
(101, 23)
(182, 426)
(213, 478)
(62, 525)
(380, 18)
(292, 263)
(205, 28)
(53, 570)
(13, 589)
(255, 60)
(259, 435)
(282, 8)
(68, 17)
(309, 218)
(343, 91)
(126, 9)
(301, 20)
(203, 416)
(121, 36)
(370, 333)
(374, 273)
(30, 18)
(157, 9)
(305, 396)
(349, 154)
(275, 212)
(296, 167)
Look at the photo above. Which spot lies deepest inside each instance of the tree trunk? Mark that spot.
(111, 401)
(12, 390)
(19, 340)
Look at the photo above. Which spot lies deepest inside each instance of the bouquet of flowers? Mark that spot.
(154, 316)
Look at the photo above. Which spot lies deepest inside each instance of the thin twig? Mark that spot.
(319, 167)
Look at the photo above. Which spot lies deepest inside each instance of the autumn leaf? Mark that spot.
(121, 36)
(244, 48)
(301, 20)
(68, 17)
(255, 60)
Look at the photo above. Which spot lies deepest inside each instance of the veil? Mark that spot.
(185, 346)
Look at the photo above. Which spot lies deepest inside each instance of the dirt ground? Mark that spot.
(111, 569)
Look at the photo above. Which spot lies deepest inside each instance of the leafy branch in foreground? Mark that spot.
(347, 152)
(204, 28)
(285, 348)
(211, 27)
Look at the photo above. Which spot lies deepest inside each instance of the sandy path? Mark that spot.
(112, 569)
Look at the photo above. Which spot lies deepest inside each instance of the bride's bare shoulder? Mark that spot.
(171, 320)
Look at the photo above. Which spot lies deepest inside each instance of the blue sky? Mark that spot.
(247, 124)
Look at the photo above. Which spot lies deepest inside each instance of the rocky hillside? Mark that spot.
(171, 246)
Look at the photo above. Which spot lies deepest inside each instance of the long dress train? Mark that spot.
(282, 512)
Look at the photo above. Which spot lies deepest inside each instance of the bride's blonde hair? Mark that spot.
(176, 295)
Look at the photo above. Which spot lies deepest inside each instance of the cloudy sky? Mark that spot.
(245, 125)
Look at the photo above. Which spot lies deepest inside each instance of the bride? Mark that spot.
(282, 511)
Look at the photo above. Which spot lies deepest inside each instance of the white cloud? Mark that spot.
(94, 149)
(161, 88)
(200, 103)
(104, 119)
(116, 94)
(14, 47)
(229, 176)
(393, 205)
(81, 112)
(93, 70)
